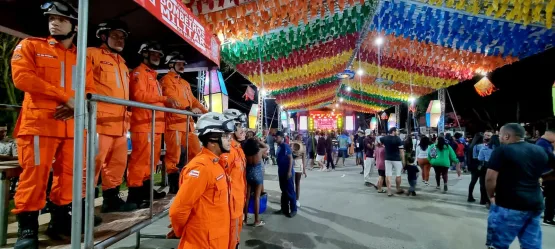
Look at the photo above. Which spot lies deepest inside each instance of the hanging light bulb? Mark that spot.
(263, 92)
(340, 99)
(379, 41)
(336, 105)
(412, 99)
(360, 72)
(349, 88)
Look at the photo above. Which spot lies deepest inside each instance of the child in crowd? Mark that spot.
(379, 156)
(412, 172)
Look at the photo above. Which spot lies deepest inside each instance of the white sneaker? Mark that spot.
(298, 204)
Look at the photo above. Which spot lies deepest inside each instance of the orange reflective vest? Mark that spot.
(176, 87)
(111, 78)
(43, 68)
(144, 87)
(199, 214)
(236, 166)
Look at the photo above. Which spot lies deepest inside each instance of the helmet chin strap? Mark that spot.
(220, 143)
(110, 47)
(66, 36)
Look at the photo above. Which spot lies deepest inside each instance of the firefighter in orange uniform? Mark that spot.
(199, 214)
(43, 68)
(175, 137)
(236, 170)
(144, 87)
(111, 78)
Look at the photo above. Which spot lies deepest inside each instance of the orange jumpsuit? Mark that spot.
(111, 78)
(179, 89)
(236, 162)
(144, 88)
(199, 214)
(43, 69)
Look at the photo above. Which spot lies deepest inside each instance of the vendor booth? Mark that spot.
(166, 21)
(325, 120)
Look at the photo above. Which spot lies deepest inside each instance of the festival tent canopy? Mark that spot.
(295, 49)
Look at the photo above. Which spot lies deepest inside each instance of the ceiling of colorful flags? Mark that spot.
(295, 49)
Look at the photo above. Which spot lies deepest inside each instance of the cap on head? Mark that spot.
(60, 8)
(113, 24)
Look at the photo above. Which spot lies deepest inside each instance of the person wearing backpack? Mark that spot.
(441, 155)
(459, 151)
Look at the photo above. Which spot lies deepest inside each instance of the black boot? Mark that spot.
(173, 180)
(97, 219)
(27, 234)
(113, 203)
(146, 192)
(134, 197)
(59, 225)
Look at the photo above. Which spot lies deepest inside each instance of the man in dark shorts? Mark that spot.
(512, 184)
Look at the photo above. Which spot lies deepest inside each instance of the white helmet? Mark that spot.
(174, 57)
(367, 132)
(151, 46)
(214, 122)
(236, 115)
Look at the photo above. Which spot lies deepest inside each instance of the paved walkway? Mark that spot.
(338, 211)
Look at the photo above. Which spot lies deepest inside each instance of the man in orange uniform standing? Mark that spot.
(236, 170)
(111, 78)
(43, 68)
(144, 87)
(199, 214)
(175, 137)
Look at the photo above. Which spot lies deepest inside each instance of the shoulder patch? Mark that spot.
(194, 173)
(219, 177)
(16, 57)
(136, 73)
(46, 55)
(18, 47)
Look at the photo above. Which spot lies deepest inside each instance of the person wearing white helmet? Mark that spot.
(111, 78)
(174, 86)
(200, 212)
(368, 145)
(236, 167)
(144, 87)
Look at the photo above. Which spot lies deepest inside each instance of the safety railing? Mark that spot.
(90, 173)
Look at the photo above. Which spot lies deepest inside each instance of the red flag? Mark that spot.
(249, 94)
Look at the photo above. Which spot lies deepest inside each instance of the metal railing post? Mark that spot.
(187, 142)
(78, 80)
(152, 140)
(90, 179)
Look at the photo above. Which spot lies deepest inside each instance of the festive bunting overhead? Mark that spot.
(294, 49)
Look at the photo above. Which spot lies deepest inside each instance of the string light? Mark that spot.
(379, 41)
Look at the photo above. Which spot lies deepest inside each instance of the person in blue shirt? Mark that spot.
(285, 174)
(484, 156)
(344, 142)
(546, 142)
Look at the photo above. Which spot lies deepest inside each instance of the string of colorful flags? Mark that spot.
(295, 49)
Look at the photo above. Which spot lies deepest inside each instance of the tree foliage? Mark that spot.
(8, 93)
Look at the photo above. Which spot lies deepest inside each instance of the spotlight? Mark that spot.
(360, 72)
(349, 89)
(379, 41)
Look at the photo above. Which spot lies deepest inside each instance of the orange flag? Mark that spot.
(330, 7)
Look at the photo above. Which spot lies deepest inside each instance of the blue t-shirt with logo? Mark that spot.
(282, 157)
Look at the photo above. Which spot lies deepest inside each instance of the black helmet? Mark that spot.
(151, 46)
(60, 8)
(114, 24)
(174, 57)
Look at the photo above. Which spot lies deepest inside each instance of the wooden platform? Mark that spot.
(112, 224)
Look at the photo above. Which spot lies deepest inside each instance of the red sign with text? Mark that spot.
(182, 21)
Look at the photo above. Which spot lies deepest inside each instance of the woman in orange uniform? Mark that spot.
(199, 214)
(236, 170)
(43, 69)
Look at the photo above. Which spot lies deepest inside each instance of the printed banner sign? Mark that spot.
(325, 123)
(182, 21)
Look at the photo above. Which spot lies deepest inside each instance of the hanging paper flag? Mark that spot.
(249, 94)
(484, 87)
(384, 116)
